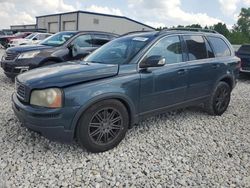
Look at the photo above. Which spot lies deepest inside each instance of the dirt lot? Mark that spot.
(184, 148)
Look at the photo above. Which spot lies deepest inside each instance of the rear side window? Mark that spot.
(221, 49)
(99, 40)
(196, 47)
(210, 53)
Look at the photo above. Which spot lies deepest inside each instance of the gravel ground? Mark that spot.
(177, 149)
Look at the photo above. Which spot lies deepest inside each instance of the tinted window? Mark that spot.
(196, 47)
(168, 48)
(83, 41)
(220, 47)
(210, 53)
(99, 40)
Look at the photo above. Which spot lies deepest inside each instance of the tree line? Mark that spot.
(239, 34)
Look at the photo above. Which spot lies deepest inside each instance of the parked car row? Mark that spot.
(60, 47)
(95, 100)
(33, 38)
(6, 39)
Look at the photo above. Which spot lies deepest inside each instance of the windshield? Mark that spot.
(58, 39)
(119, 51)
(30, 36)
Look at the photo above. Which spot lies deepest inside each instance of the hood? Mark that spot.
(64, 74)
(27, 48)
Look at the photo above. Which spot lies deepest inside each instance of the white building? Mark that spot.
(17, 27)
(82, 20)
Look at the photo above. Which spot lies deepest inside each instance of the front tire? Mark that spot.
(102, 126)
(220, 99)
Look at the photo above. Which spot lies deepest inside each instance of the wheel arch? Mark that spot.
(227, 79)
(133, 117)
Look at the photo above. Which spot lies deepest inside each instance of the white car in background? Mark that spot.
(33, 38)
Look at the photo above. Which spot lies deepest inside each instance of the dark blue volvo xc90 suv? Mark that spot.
(96, 100)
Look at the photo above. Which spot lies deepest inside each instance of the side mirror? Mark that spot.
(35, 38)
(153, 61)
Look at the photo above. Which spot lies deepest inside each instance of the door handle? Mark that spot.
(182, 71)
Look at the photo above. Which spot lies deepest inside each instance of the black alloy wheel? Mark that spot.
(219, 100)
(222, 99)
(103, 125)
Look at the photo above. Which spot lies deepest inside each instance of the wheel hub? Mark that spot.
(105, 125)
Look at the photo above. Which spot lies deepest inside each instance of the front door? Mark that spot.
(164, 86)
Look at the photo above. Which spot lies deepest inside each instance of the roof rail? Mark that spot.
(189, 29)
(134, 32)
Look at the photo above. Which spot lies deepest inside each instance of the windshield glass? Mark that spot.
(58, 39)
(30, 36)
(119, 51)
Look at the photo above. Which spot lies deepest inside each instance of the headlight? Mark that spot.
(51, 98)
(28, 55)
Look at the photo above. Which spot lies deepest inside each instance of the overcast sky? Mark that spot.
(152, 12)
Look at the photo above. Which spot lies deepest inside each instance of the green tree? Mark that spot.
(222, 29)
(237, 37)
(243, 23)
(194, 26)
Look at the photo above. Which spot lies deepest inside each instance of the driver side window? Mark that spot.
(83, 41)
(168, 48)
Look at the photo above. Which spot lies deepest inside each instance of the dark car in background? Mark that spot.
(63, 46)
(124, 81)
(244, 54)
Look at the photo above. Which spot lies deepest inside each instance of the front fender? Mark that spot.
(119, 96)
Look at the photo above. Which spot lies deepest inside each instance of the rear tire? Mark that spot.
(219, 100)
(102, 126)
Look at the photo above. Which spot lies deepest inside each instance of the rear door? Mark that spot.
(201, 72)
(222, 54)
(164, 86)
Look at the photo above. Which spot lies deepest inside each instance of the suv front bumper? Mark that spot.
(51, 123)
(17, 66)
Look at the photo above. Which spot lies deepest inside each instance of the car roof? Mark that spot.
(171, 31)
(90, 32)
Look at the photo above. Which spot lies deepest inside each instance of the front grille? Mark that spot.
(10, 56)
(7, 68)
(20, 90)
